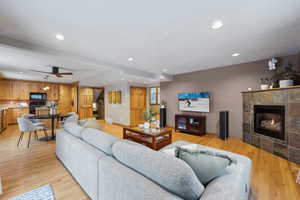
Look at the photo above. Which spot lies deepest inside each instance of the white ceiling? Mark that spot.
(100, 36)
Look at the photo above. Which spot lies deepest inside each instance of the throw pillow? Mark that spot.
(74, 129)
(92, 123)
(207, 165)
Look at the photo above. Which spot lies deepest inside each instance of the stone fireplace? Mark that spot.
(271, 121)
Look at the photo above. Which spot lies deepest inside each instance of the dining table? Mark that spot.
(52, 117)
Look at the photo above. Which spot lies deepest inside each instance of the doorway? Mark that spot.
(138, 99)
(98, 103)
(85, 103)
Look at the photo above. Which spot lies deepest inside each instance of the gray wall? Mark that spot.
(118, 113)
(225, 85)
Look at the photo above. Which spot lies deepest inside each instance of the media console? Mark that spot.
(193, 124)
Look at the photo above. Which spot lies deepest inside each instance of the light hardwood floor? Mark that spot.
(23, 169)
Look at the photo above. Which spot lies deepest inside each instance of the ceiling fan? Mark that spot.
(55, 72)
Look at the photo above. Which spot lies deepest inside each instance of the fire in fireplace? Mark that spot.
(269, 120)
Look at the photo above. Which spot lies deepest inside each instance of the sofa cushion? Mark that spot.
(74, 129)
(99, 139)
(169, 172)
(207, 165)
(90, 123)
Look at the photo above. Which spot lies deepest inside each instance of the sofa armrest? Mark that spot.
(117, 182)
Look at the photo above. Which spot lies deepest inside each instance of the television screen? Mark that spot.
(196, 102)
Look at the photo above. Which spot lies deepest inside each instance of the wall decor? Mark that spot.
(110, 97)
(115, 97)
(118, 97)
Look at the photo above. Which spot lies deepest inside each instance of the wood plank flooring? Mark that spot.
(23, 169)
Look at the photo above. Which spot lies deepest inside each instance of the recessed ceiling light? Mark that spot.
(130, 59)
(217, 24)
(60, 36)
(165, 70)
(162, 77)
(235, 54)
(122, 78)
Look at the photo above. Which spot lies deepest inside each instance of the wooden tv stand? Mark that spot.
(193, 124)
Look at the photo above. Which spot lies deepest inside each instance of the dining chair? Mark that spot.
(71, 118)
(26, 125)
(36, 122)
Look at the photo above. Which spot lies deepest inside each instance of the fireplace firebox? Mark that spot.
(269, 120)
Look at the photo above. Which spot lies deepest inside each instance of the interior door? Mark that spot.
(137, 105)
(85, 103)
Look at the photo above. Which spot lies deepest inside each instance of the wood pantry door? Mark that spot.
(137, 105)
(85, 103)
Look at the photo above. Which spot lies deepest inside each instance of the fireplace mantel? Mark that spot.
(287, 147)
(274, 89)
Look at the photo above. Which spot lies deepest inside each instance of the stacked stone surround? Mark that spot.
(290, 98)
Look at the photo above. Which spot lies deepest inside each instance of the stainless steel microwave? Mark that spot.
(38, 96)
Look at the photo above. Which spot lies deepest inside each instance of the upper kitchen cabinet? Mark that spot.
(5, 88)
(65, 99)
(19, 90)
(33, 87)
(54, 92)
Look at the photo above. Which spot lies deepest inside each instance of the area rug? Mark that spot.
(43, 193)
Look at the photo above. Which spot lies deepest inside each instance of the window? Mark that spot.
(154, 95)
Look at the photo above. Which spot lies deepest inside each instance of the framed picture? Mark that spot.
(113, 97)
(110, 97)
(118, 97)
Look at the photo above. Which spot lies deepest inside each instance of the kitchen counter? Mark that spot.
(11, 106)
(12, 112)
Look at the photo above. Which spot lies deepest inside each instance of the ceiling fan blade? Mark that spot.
(40, 71)
(65, 73)
(58, 75)
(64, 68)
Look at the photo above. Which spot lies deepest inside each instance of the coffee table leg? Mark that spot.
(153, 143)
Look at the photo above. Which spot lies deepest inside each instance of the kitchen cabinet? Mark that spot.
(14, 113)
(65, 99)
(4, 120)
(53, 93)
(5, 88)
(19, 90)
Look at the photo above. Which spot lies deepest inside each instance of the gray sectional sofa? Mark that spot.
(108, 168)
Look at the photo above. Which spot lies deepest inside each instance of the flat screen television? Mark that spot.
(194, 102)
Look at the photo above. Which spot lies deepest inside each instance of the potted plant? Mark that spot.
(149, 115)
(264, 83)
(286, 75)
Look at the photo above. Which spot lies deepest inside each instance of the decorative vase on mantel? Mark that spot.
(264, 86)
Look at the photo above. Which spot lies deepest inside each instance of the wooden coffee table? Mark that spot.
(153, 138)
